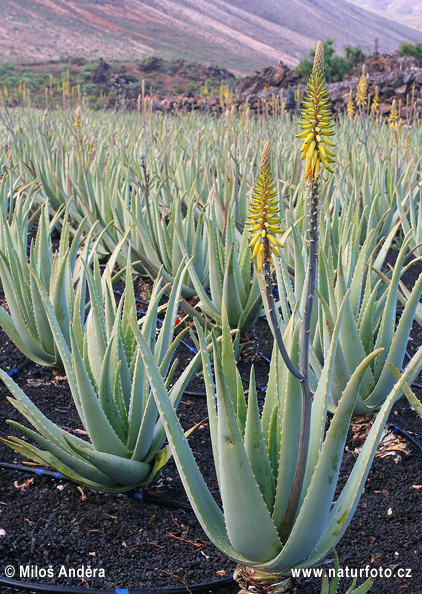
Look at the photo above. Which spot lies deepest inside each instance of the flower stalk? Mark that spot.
(315, 151)
(264, 224)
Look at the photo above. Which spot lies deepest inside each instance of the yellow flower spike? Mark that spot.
(375, 101)
(316, 121)
(263, 214)
(350, 108)
(393, 117)
(362, 92)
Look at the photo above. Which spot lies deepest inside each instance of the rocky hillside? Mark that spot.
(396, 77)
(108, 84)
(241, 35)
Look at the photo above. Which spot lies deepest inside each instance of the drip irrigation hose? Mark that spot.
(16, 370)
(410, 440)
(138, 496)
(34, 587)
(120, 294)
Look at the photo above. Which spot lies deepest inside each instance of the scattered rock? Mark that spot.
(401, 90)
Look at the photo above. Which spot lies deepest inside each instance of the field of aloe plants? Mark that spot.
(210, 350)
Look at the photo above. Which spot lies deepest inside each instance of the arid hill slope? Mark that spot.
(242, 35)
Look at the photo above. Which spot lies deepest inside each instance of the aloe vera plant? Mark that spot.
(369, 323)
(370, 316)
(110, 388)
(163, 240)
(255, 459)
(277, 471)
(230, 277)
(26, 323)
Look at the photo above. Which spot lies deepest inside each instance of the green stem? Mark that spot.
(307, 394)
(274, 322)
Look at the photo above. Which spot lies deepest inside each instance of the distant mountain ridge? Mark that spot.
(407, 12)
(242, 35)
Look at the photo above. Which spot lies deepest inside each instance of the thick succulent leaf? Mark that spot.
(32, 413)
(344, 508)
(216, 263)
(207, 511)
(290, 407)
(167, 329)
(137, 401)
(106, 395)
(165, 363)
(122, 470)
(41, 321)
(320, 402)
(410, 395)
(47, 459)
(366, 318)
(97, 310)
(101, 433)
(245, 260)
(232, 290)
(147, 428)
(231, 372)
(42, 247)
(175, 395)
(311, 520)
(129, 312)
(18, 325)
(256, 449)
(207, 305)
(24, 341)
(350, 340)
(249, 525)
(148, 323)
(72, 459)
(358, 277)
(386, 330)
(272, 397)
(362, 589)
(341, 373)
(211, 397)
(274, 441)
(59, 301)
(397, 350)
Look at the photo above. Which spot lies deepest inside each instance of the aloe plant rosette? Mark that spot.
(110, 389)
(277, 470)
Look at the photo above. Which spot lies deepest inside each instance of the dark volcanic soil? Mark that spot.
(47, 522)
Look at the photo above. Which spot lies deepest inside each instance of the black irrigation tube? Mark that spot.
(410, 440)
(138, 496)
(16, 370)
(34, 587)
(141, 496)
